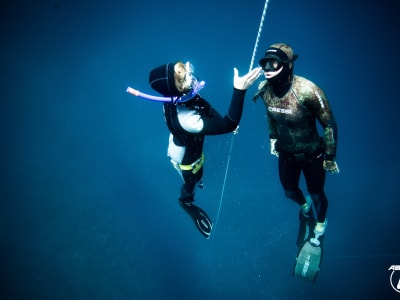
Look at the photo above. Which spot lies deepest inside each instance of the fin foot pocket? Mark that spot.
(307, 223)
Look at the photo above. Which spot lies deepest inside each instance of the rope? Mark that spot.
(258, 35)
(226, 175)
(235, 132)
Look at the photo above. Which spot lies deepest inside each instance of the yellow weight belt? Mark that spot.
(195, 167)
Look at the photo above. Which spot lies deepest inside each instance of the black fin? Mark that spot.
(200, 218)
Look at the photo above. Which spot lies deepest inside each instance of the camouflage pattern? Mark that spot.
(292, 118)
(285, 48)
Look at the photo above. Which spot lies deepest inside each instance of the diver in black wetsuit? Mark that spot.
(294, 104)
(189, 121)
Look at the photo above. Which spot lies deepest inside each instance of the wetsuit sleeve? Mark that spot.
(215, 124)
(272, 128)
(321, 108)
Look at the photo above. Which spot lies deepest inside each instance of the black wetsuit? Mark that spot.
(292, 122)
(213, 124)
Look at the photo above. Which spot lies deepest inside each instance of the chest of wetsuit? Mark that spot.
(292, 118)
(192, 141)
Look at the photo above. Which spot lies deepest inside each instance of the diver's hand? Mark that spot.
(244, 82)
(272, 143)
(331, 166)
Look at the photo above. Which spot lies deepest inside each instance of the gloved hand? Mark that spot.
(272, 143)
(331, 166)
(244, 82)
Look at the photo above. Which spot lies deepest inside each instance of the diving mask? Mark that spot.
(191, 84)
(272, 64)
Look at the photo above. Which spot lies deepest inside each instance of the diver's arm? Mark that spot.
(213, 124)
(240, 86)
(330, 137)
(202, 118)
(273, 136)
(326, 119)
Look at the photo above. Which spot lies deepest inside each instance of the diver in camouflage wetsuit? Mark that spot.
(294, 104)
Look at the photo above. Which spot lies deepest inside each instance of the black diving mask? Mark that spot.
(272, 64)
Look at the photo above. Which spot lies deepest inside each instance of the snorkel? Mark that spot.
(193, 92)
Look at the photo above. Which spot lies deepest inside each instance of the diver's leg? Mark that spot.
(186, 199)
(289, 175)
(190, 182)
(315, 180)
(315, 175)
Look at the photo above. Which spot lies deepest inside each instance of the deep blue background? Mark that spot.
(88, 199)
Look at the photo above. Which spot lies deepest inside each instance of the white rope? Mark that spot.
(236, 131)
(226, 175)
(258, 35)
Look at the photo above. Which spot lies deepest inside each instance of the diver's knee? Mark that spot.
(186, 196)
(294, 195)
(315, 197)
(318, 197)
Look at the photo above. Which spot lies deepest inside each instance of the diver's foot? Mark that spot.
(320, 227)
(200, 218)
(319, 231)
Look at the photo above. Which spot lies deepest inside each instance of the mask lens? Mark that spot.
(272, 65)
(190, 80)
(189, 67)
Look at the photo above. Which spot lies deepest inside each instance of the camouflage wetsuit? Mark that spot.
(292, 122)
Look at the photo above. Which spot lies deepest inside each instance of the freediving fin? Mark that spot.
(200, 218)
(307, 262)
(309, 257)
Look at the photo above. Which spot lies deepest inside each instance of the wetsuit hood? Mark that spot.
(162, 80)
(283, 53)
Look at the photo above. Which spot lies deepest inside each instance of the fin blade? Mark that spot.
(307, 262)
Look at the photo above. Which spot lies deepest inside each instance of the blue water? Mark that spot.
(88, 199)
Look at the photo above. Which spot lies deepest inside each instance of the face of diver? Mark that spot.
(272, 67)
(187, 83)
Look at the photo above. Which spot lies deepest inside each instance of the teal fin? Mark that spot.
(200, 218)
(308, 262)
